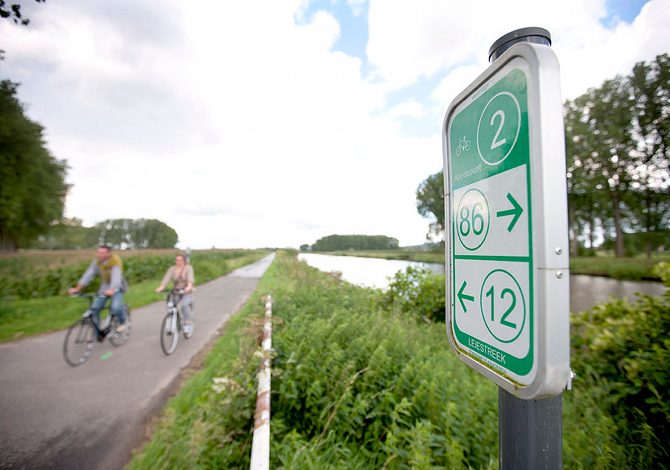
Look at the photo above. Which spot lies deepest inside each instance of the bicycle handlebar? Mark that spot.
(174, 291)
(86, 295)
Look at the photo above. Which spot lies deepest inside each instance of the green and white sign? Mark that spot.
(494, 177)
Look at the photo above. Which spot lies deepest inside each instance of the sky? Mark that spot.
(273, 123)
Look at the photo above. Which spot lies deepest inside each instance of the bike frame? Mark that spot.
(173, 299)
(99, 329)
(86, 330)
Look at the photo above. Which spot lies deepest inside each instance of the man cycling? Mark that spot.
(112, 284)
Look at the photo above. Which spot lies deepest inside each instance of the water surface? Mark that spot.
(585, 291)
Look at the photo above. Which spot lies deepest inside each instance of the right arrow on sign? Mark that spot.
(515, 211)
(463, 296)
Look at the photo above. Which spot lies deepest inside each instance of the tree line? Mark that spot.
(352, 242)
(69, 233)
(33, 191)
(617, 147)
(617, 139)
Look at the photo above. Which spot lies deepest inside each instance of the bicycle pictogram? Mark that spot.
(463, 146)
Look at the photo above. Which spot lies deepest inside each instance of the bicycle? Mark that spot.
(173, 323)
(463, 146)
(82, 335)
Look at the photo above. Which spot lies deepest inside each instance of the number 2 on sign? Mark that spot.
(497, 143)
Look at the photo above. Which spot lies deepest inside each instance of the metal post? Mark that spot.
(530, 432)
(534, 35)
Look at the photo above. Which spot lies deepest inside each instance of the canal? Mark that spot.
(585, 291)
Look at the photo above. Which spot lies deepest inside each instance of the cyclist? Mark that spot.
(112, 285)
(181, 274)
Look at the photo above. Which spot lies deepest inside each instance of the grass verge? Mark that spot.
(206, 425)
(28, 317)
(630, 269)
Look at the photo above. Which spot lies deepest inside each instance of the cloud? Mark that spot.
(240, 126)
(589, 59)
(411, 108)
(426, 37)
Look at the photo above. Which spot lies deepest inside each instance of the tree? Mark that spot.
(599, 125)
(67, 233)
(13, 12)
(139, 233)
(152, 233)
(618, 147)
(650, 85)
(355, 242)
(32, 182)
(587, 206)
(430, 203)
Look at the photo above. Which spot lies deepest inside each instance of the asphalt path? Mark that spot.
(53, 416)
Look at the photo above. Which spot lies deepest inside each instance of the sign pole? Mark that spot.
(507, 289)
(529, 431)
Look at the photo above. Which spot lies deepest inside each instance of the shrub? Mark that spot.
(624, 348)
(418, 292)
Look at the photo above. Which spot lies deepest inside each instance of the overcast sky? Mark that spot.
(278, 122)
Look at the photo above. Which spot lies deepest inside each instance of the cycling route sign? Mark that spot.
(497, 157)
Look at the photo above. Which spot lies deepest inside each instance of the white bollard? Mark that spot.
(260, 446)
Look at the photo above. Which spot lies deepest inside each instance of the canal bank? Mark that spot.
(585, 291)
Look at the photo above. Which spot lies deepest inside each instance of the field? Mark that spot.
(358, 384)
(33, 285)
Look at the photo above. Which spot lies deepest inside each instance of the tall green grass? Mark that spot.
(354, 386)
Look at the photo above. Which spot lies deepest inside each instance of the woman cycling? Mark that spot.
(181, 274)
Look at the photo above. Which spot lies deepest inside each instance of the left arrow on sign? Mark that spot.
(515, 211)
(463, 296)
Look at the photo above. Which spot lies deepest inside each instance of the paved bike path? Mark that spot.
(54, 416)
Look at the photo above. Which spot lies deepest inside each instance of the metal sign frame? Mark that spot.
(506, 241)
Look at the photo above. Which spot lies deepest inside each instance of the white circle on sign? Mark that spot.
(502, 305)
(495, 142)
(472, 219)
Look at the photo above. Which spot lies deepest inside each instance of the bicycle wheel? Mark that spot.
(169, 333)
(79, 342)
(120, 338)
